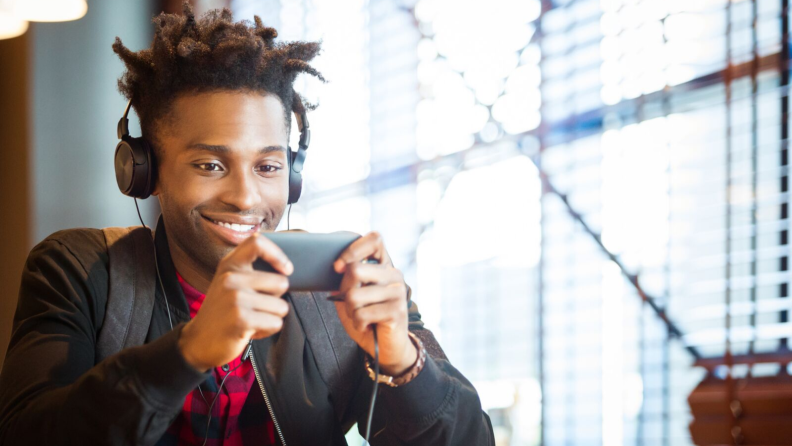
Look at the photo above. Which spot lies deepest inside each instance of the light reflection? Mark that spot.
(515, 242)
(344, 100)
(469, 71)
(687, 26)
(50, 10)
(490, 132)
(531, 55)
(515, 113)
(524, 80)
(658, 43)
(609, 24)
(427, 50)
(352, 214)
(635, 196)
(612, 355)
(610, 48)
(654, 9)
(611, 94)
(11, 25)
(610, 5)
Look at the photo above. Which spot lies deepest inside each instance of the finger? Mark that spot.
(381, 313)
(372, 273)
(370, 295)
(243, 256)
(368, 246)
(263, 303)
(263, 324)
(260, 281)
(358, 274)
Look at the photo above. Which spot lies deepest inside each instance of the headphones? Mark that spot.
(136, 170)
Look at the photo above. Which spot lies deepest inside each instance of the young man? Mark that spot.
(214, 98)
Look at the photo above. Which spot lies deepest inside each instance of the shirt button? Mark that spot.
(225, 367)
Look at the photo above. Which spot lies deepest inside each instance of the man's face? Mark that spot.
(223, 172)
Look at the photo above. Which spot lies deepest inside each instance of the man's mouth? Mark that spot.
(236, 225)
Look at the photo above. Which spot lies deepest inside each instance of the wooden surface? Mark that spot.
(15, 175)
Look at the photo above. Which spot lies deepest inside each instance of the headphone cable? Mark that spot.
(376, 385)
(219, 391)
(156, 266)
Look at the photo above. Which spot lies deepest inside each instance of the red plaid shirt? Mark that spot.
(227, 427)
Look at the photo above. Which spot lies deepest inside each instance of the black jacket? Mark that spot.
(52, 391)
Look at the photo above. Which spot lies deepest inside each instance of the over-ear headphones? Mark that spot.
(133, 161)
(297, 159)
(136, 170)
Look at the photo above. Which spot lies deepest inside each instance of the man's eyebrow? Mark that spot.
(224, 149)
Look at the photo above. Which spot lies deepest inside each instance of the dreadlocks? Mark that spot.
(209, 54)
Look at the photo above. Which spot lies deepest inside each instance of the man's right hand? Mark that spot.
(241, 304)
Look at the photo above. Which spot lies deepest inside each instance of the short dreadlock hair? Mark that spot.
(213, 53)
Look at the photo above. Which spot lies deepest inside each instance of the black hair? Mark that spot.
(212, 53)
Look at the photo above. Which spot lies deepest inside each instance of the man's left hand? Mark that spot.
(375, 294)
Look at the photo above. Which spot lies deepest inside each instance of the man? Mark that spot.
(214, 98)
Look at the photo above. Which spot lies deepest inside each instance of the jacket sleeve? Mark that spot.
(50, 390)
(438, 407)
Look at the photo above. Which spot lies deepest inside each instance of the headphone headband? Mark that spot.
(123, 123)
(135, 163)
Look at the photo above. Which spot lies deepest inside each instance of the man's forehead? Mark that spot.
(228, 116)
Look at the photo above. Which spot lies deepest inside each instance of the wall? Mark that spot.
(76, 106)
(58, 112)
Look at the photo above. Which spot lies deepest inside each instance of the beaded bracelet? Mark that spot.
(409, 374)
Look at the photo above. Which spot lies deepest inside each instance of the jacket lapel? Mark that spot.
(300, 399)
(336, 354)
(332, 347)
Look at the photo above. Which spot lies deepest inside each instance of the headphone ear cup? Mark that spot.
(134, 167)
(295, 178)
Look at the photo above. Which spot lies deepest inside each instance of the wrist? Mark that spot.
(185, 344)
(409, 358)
(405, 376)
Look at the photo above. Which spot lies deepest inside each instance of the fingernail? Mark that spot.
(289, 267)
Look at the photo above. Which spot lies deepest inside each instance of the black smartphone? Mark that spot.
(313, 255)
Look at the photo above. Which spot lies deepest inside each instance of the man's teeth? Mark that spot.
(235, 226)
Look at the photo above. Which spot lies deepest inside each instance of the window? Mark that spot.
(661, 127)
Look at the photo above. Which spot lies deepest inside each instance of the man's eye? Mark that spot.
(209, 167)
(268, 168)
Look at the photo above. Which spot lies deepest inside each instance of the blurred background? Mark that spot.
(590, 198)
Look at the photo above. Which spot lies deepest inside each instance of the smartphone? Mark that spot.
(313, 255)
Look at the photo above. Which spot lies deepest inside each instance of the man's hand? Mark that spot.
(241, 304)
(375, 294)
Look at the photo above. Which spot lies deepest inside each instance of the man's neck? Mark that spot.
(190, 272)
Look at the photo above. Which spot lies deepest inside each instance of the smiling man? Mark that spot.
(230, 356)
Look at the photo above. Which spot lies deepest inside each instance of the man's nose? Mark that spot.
(241, 190)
